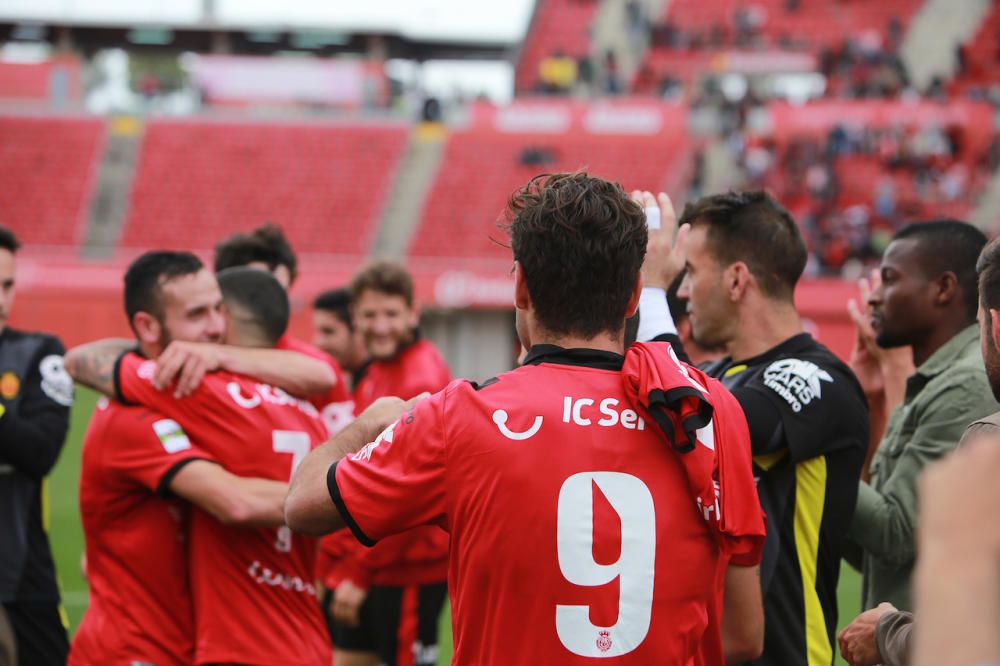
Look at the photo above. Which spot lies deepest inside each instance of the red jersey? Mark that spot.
(140, 604)
(254, 597)
(419, 556)
(336, 405)
(417, 368)
(574, 533)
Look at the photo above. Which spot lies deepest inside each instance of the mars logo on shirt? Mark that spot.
(798, 382)
(604, 641)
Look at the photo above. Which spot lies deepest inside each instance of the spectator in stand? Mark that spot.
(557, 73)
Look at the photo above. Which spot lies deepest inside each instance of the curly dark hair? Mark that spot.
(580, 241)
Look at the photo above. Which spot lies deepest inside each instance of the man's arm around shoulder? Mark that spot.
(232, 500)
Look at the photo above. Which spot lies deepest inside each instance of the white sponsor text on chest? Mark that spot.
(588, 411)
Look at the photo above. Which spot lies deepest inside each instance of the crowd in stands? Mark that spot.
(853, 187)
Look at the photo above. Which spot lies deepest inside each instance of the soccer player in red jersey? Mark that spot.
(599, 506)
(254, 596)
(385, 601)
(136, 467)
(266, 248)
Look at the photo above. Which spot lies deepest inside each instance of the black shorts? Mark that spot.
(399, 624)
(39, 632)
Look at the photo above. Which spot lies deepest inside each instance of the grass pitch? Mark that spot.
(66, 534)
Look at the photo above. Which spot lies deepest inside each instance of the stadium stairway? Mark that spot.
(929, 48)
(114, 180)
(610, 32)
(987, 213)
(411, 184)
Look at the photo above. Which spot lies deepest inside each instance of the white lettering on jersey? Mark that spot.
(337, 416)
(56, 382)
(635, 569)
(798, 382)
(573, 412)
(263, 575)
(269, 394)
(171, 435)
(500, 417)
(366, 452)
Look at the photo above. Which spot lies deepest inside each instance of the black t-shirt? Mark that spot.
(808, 421)
(36, 394)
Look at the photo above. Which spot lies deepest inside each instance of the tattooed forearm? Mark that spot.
(93, 364)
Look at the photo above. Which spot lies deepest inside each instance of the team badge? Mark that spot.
(10, 385)
(604, 641)
(56, 382)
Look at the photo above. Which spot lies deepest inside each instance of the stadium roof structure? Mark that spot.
(415, 29)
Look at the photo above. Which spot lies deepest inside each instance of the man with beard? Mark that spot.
(806, 411)
(926, 299)
(384, 601)
(137, 464)
(882, 635)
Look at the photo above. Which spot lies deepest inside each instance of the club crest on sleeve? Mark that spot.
(10, 385)
(56, 382)
(798, 382)
(366, 452)
(172, 436)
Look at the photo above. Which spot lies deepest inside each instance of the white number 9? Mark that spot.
(631, 499)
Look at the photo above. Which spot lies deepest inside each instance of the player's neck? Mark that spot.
(762, 327)
(604, 342)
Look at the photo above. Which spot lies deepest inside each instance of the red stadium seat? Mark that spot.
(48, 169)
(481, 169)
(197, 182)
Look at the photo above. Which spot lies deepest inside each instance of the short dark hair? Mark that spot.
(580, 241)
(147, 274)
(385, 277)
(8, 241)
(988, 270)
(266, 244)
(338, 303)
(753, 228)
(260, 297)
(949, 246)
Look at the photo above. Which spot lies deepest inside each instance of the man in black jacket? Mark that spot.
(35, 398)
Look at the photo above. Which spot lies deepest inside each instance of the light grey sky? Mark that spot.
(501, 21)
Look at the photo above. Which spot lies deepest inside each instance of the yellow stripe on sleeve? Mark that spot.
(810, 497)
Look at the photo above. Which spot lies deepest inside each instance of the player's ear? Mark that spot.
(147, 328)
(633, 300)
(735, 279)
(414, 315)
(995, 327)
(522, 297)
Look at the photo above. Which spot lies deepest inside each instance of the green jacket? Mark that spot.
(946, 393)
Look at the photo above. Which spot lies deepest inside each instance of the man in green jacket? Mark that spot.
(926, 298)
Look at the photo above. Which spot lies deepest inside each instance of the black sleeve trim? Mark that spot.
(338, 501)
(664, 407)
(163, 487)
(116, 378)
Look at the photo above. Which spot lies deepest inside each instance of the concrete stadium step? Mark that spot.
(114, 182)
(929, 48)
(410, 187)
